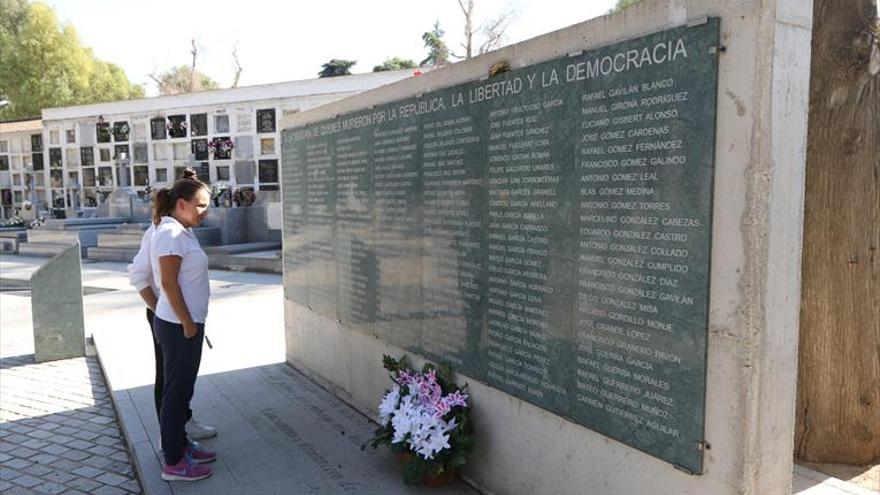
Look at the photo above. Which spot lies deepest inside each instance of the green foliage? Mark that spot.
(438, 52)
(337, 67)
(625, 4)
(45, 65)
(178, 79)
(395, 63)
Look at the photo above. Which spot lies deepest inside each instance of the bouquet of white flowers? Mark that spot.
(37, 223)
(425, 418)
(15, 221)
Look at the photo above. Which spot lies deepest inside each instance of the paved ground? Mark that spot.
(280, 433)
(58, 429)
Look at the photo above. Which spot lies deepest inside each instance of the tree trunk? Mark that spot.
(838, 401)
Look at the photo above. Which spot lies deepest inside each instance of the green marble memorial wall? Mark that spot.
(546, 231)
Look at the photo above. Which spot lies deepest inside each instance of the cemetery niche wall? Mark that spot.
(546, 230)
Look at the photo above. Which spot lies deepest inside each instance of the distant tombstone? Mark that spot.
(141, 211)
(57, 307)
(74, 195)
(87, 156)
(105, 176)
(200, 148)
(244, 172)
(221, 123)
(157, 128)
(203, 171)
(89, 177)
(161, 151)
(268, 171)
(36, 142)
(55, 157)
(199, 124)
(102, 132)
(139, 131)
(119, 203)
(141, 175)
(56, 178)
(120, 151)
(72, 155)
(86, 134)
(177, 126)
(121, 131)
(273, 215)
(266, 120)
(244, 147)
(180, 151)
(140, 153)
(244, 122)
(267, 146)
(161, 175)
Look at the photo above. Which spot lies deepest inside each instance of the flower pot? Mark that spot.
(441, 479)
(430, 480)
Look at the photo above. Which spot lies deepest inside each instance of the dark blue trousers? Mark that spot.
(159, 382)
(180, 366)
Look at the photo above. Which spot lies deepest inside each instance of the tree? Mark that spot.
(438, 52)
(395, 63)
(623, 5)
(183, 79)
(238, 68)
(337, 67)
(45, 65)
(493, 30)
(838, 401)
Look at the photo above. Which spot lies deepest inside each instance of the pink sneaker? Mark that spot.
(185, 470)
(199, 454)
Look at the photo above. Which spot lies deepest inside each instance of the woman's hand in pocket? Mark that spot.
(190, 330)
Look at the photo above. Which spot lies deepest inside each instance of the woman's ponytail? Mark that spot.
(163, 205)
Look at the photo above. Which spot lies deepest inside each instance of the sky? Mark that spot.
(289, 40)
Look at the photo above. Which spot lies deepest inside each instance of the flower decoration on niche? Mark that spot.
(120, 131)
(221, 147)
(176, 127)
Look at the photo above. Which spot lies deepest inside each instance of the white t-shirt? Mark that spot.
(140, 270)
(172, 239)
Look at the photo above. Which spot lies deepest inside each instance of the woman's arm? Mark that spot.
(149, 297)
(169, 267)
(140, 271)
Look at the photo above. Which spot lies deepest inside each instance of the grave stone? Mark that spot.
(244, 171)
(118, 203)
(244, 147)
(266, 120)
(57, 307)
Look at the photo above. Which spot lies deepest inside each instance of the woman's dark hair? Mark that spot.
(164, 200)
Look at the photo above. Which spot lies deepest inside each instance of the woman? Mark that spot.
(140, 275)
(180, 268)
